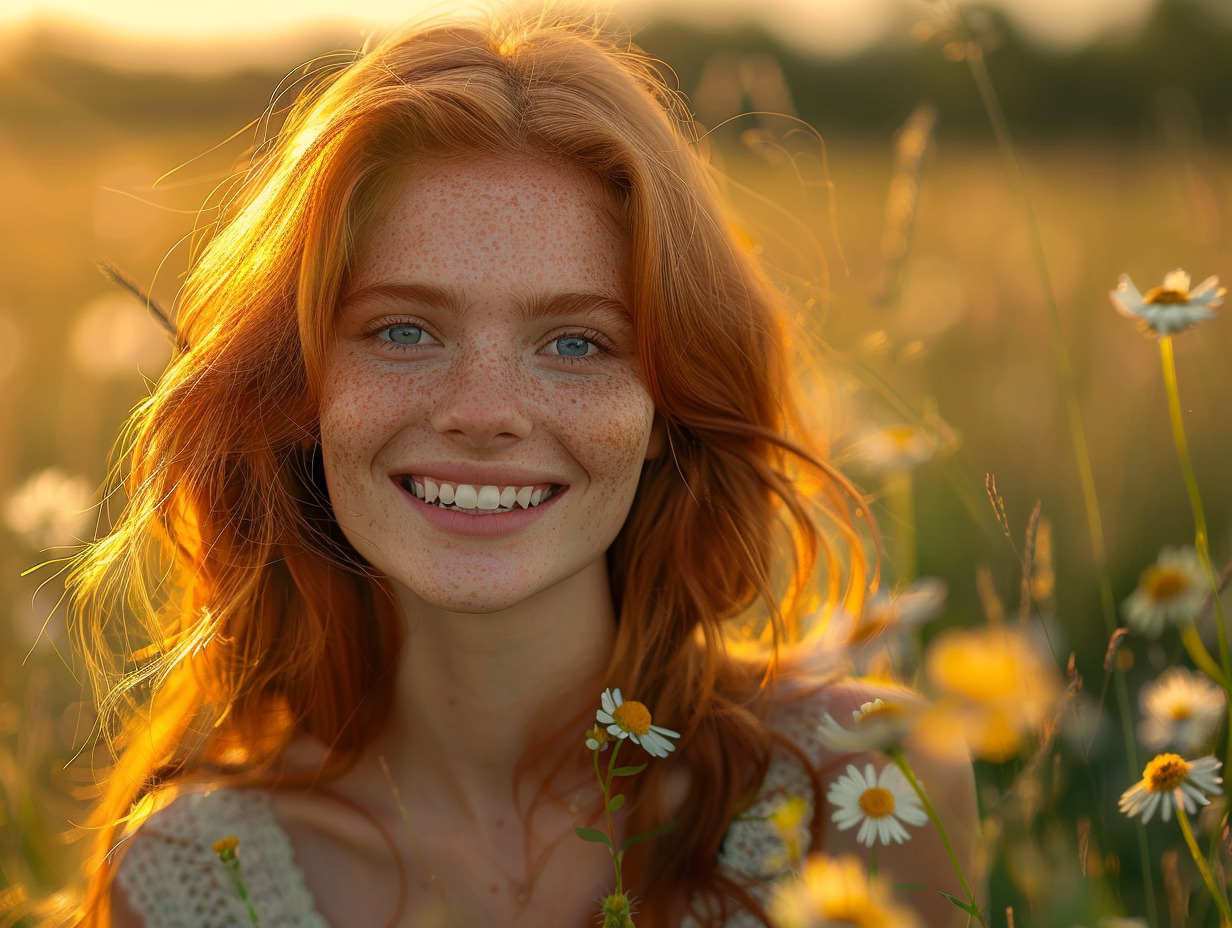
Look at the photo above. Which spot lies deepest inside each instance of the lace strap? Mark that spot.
(174, 879)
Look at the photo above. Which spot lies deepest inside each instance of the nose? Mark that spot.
(482, 401)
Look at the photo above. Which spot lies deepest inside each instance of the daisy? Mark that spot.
(51, 509)
(1171, 308)
(631, 719)
(1172, 590)
(878, 725)
(895, 448)
(878, 803)
(834, 892)
(1181, 708)
(993, 687)
(922, 601)
(597, 738)
(1169, 779)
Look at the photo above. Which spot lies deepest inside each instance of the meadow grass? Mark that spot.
(964, 348)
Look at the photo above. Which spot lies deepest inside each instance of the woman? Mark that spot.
(479, 407)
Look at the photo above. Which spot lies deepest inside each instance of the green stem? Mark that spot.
(1182, 818)
(901, 502)
(233, 866)
(1200, 656)
(900, 761)
(606, 785)
(1201, 541)
(1086, 472)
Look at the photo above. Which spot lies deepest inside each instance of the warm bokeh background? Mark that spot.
(922, 281)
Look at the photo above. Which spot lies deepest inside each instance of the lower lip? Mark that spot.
(490, 525)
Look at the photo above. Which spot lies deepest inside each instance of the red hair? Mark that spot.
(227, 551)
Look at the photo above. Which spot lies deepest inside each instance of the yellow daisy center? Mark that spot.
(1166, 295)
(877, 802)
(633, 717)
(1162, 583)
(598, 733)
(901, 436)
(1165, 773)
(1180, 711)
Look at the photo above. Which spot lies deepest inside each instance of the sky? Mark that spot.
(830, 27)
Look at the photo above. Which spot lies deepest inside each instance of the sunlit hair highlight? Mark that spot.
(261, 621)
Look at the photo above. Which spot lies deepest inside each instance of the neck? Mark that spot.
(474, 690)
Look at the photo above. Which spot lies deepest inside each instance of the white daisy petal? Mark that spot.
(1177, 280)
(1171, 308)
(1170, 780)
(656, 745)
(868, 832)
(881, 803)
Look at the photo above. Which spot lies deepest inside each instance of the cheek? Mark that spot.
(354, 417)
(611, 431)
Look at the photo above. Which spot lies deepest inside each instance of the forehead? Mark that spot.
(488, 222)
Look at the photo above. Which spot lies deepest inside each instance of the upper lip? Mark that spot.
(480, 475)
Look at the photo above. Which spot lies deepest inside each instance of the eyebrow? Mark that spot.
(531, 305)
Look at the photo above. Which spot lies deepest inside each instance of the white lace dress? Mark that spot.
(174, 879)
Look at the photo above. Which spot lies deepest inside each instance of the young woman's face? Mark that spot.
(484, 354)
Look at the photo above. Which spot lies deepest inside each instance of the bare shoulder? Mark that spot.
(123, 915)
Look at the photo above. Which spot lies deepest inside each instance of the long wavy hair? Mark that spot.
(227, 552)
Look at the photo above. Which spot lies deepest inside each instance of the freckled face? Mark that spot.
(484, 341)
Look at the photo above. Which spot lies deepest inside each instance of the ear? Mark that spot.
(658, 438)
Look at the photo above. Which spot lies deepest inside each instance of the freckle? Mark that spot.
(500, 823)
(494, 889)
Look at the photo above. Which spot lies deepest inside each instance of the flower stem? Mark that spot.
(1201, 542)
(901, 503)
(900, 761)
(1200, 656)
(606, 786)
(1182, 818)
(1086, 472)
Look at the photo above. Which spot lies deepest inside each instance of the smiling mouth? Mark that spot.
(477, 500)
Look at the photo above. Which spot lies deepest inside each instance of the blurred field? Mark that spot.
(967, 336)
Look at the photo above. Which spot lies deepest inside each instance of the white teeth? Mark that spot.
(484, 499)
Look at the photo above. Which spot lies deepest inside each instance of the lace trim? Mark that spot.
(753, 852)
(174, 879)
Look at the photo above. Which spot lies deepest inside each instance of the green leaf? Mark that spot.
(590, 834)
(628, 771)
(616, 802)
(647, 835)
(965, 906)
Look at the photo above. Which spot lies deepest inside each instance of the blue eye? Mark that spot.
(402, 334)
(572, 346)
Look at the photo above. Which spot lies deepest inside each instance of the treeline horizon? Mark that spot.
(1177, 71)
